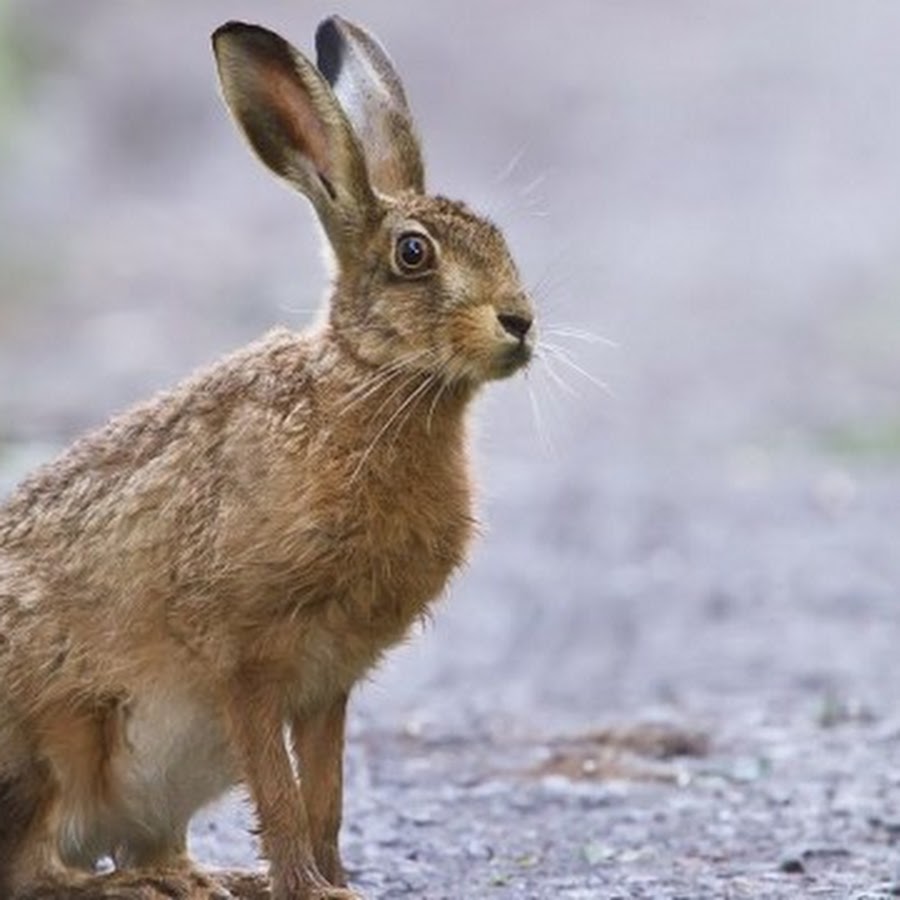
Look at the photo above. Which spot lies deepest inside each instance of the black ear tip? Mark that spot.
(253, 40)
(329, 48)
(229, 28)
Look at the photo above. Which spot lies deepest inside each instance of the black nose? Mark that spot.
(517, 326)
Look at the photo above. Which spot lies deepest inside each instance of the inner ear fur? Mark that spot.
(294, 123)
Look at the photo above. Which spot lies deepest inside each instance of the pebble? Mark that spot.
(792, 865)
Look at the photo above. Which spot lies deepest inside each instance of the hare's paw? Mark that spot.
(328, 862)
(53, 889)
(203, 886)
(162, 885)
(326, 893)
(244, 885)
(313, 890)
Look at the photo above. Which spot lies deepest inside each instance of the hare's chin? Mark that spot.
(510, 361)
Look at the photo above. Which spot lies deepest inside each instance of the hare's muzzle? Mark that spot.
(517, 338)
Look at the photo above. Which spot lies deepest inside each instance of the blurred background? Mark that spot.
(698, 517)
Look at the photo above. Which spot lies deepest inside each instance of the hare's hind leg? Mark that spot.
(163, 850)
(145, 886)
(31, 807)
(20, 805)
(30, 817)
(31, 810)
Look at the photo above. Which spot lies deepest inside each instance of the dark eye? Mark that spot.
(413, 253)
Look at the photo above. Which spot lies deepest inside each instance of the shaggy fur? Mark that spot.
(219, 566)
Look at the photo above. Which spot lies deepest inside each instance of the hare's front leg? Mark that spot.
(255, 718)
(319, 744)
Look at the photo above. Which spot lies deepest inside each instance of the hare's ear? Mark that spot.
(368, 87)
(295, 124)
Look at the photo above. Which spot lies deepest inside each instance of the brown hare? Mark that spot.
(188, 595)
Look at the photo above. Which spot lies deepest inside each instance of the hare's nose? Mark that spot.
(517, 326)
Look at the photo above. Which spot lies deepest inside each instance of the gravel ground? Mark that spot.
(709, 547)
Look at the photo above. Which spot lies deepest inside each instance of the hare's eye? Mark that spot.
(413, 253)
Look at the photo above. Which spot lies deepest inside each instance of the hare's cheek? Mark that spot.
(475, 342)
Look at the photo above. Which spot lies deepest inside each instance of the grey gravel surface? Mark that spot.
(711, 544)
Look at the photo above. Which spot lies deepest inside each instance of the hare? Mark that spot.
(188, 595)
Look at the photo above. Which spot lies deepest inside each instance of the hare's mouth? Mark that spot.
(489, 364)
(487, 348)
(511, 359)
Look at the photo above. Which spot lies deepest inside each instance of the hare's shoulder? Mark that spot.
(171, 431)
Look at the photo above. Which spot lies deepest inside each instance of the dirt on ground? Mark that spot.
(671, 669)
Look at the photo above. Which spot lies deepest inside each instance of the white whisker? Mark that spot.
(560, 354)
(437, 396)
(537, 417)
(298, 310)
(417, 392)
(579, 334)
(511, 166)
(533, 185)
(399, 389)
(432, 381)
(553, 277)
(379, 379)
(554, 376)
(367, 389)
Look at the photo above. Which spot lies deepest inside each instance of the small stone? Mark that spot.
(890, 827)
(792, 865)
(595, 853)
(476, 849)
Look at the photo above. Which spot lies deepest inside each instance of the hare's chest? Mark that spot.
(380, 577)
(344, 565)
(400, 554)
(395, 551)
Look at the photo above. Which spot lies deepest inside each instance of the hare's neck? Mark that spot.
(385, 408)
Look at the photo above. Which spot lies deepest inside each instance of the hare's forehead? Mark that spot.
(460, 232)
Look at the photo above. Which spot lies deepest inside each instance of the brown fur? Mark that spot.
(231, 557)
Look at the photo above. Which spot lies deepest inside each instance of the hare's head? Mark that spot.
(422, 282)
